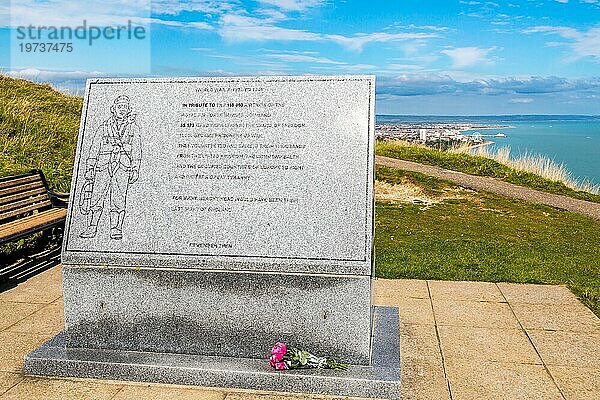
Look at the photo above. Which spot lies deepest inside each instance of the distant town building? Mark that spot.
(437, 135)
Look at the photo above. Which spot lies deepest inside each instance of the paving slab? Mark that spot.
(474, 291)
(575, 349)
(419, 342)
(577, 383)
(160, 392)
(411, 310)
(14, 347)
(561, 317)
(424, 379)
(8, 380)
(402, 288)
(537, 294)
(477, 314)
(278, 396)
(11, 312)
(423, 375)
(41, 289)
(48, 321)
(61, 389)
(485, 344)
(499, 381)
(482, 358)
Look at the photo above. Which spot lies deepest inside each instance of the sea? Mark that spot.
(571, 140)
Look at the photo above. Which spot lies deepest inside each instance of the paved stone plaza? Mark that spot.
(460, 340)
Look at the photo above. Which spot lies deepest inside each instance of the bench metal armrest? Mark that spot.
(58, 199)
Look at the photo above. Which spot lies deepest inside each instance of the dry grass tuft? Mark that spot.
(538, 164)
(411, 193)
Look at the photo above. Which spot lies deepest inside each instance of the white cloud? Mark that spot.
(229, 18)
(72, 82)
(70, 13)
(563, 31)
(109, 12)
(176, 24)
(521, 88)
(199, 25)
(359, 40)
(404, 67)
(463, 57)
(35, 74)
(582, 43)
(272, 14)
(239, 28)
(521, 100)
(292, 5)
(359, 67)
(175, 7)
(303, 59)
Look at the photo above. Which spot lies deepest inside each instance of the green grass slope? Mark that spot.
(38, 129)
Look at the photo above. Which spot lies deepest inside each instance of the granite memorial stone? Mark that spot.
(212, 217)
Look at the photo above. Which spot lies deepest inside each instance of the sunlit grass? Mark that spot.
(38, 129)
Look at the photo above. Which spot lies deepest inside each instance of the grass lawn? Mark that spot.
(477, 165)
(485, 237)
(38, 129)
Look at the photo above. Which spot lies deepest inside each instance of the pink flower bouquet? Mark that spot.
(284, 357)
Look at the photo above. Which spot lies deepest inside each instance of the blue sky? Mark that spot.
(430, 57)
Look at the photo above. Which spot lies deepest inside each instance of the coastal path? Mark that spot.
(493, 185)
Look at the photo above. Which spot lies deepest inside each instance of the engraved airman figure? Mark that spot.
(112, 165)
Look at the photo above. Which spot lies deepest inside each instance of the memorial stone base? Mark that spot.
(379, 380)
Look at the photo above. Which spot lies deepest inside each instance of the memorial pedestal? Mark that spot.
(210, 218)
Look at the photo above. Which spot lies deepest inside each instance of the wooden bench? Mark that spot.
(27, 206)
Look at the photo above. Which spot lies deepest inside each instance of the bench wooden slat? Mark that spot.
(21, 188)
(21, 203)
(18, 181)
(22, 210)
(22, 195)
(42, 217)
(32, 223)
(27, 207)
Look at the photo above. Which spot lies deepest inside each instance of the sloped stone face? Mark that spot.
(217, 313)
(271, 174)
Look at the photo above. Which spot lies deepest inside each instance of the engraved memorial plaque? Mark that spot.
(271, 174)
